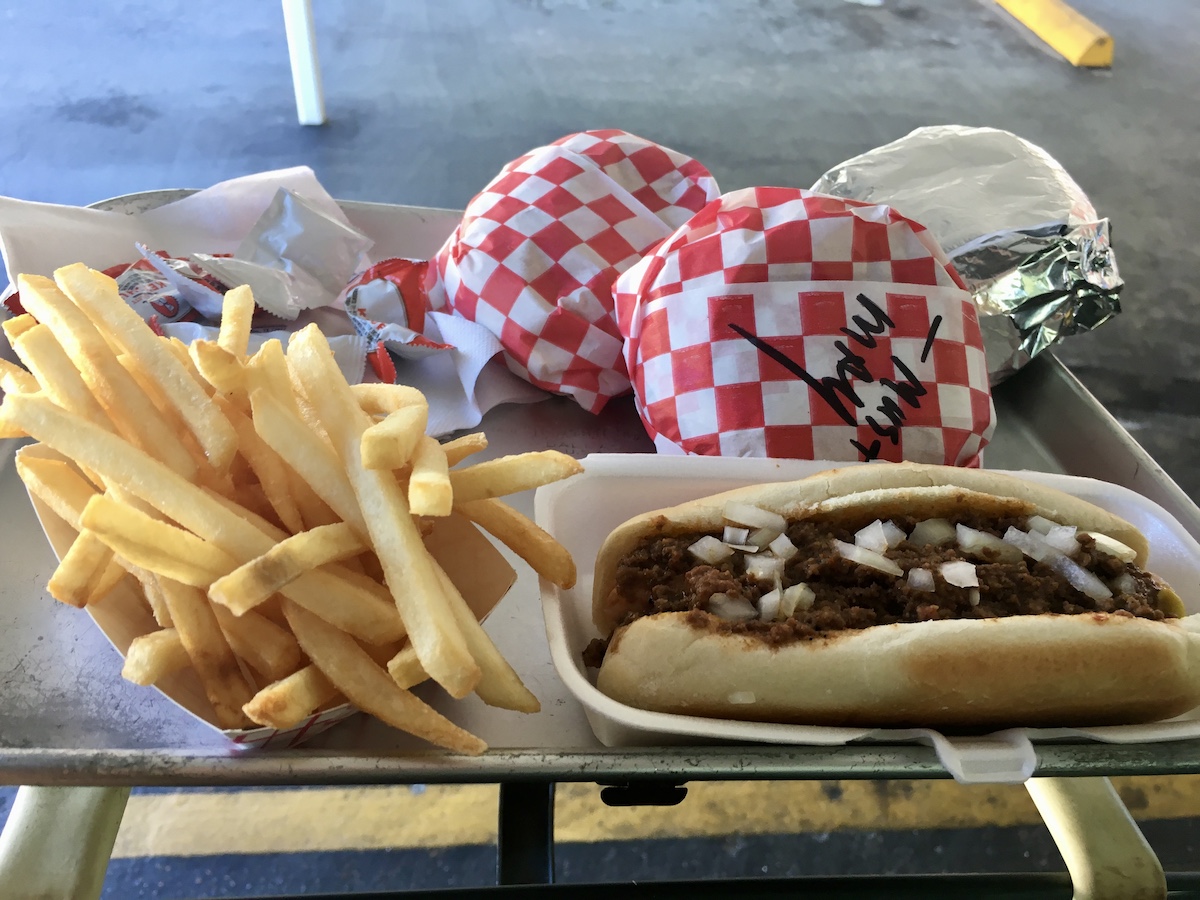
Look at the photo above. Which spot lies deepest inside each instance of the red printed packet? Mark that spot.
(386, 304)
(782, 323)
(536, 254)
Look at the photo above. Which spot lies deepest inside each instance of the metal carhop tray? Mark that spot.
(67, 717)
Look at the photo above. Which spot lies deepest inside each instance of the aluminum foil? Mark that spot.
(1020, 231)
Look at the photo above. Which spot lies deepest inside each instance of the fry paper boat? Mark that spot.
(474, 565)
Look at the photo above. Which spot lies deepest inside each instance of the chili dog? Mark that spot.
(892, 595)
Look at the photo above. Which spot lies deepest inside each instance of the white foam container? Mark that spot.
(581, 511)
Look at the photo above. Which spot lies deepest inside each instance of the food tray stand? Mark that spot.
(67, 718)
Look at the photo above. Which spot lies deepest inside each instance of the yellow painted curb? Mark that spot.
(374, 818)
(1079, 40)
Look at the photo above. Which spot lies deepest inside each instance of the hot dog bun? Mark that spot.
(987, 673)
(1052, 670)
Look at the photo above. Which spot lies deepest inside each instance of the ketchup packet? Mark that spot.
(536, 254)
(152, 295)
(783, 323)
(386, 305)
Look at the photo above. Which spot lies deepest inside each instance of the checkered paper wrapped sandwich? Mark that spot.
(782, 323)
(538, 250)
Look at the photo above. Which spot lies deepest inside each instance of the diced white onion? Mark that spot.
(921, 580)
(783, 547)
(731, 609)
(735, 535)
(1123, 584)
(1111, 546)
(768, 605)
(895, 534)
(872, 537)
(745, 548)
(932, 531)
(1062, 539)
(710, 550)
(1031, 543)
(868, 558)
(973, 541)
(798, 596)
(764, 567)
(973, 596)
(741, 698)
(1040, 524)
(762, 537)
(959, 573)
(745, 514)
(1080, 578)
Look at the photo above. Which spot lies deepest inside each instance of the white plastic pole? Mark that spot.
(306, 68)
(1105, 852)
(57, 842)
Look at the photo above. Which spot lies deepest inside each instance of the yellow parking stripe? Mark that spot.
(1073, 36)
(255, 821)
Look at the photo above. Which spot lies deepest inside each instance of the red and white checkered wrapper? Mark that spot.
(538, 250)
(782, 323)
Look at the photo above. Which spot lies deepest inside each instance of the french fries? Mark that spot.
(273, 517)
(545, 555)
(151, 657)
(511, 475)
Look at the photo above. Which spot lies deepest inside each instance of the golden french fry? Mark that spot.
(80, 568)
(512, 474)
(324, 592)
(461, 447)
(9, 428)
(96, 294)
(155, 598)
(429, 484)
(390, 444)
(155, 545)
(308, 454)
(291, 700)
(267, 369)
(219, 367)
(14, 378)
(270, 650)
(180, 351)
(56, 483)
(237, 309)
(405, 668)
(153, 656)
(255, 581)
(265, 463)
(17, 326)
(133, 413)
(499, 685)
(545, 555)
(369, 687)
(46, 359)
(382, 399)
(407, 566)
(313, 510)
(211, 656)
(112, 575)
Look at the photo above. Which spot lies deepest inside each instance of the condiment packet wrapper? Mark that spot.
(296, 257)
(782, 323)
(536, 254)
